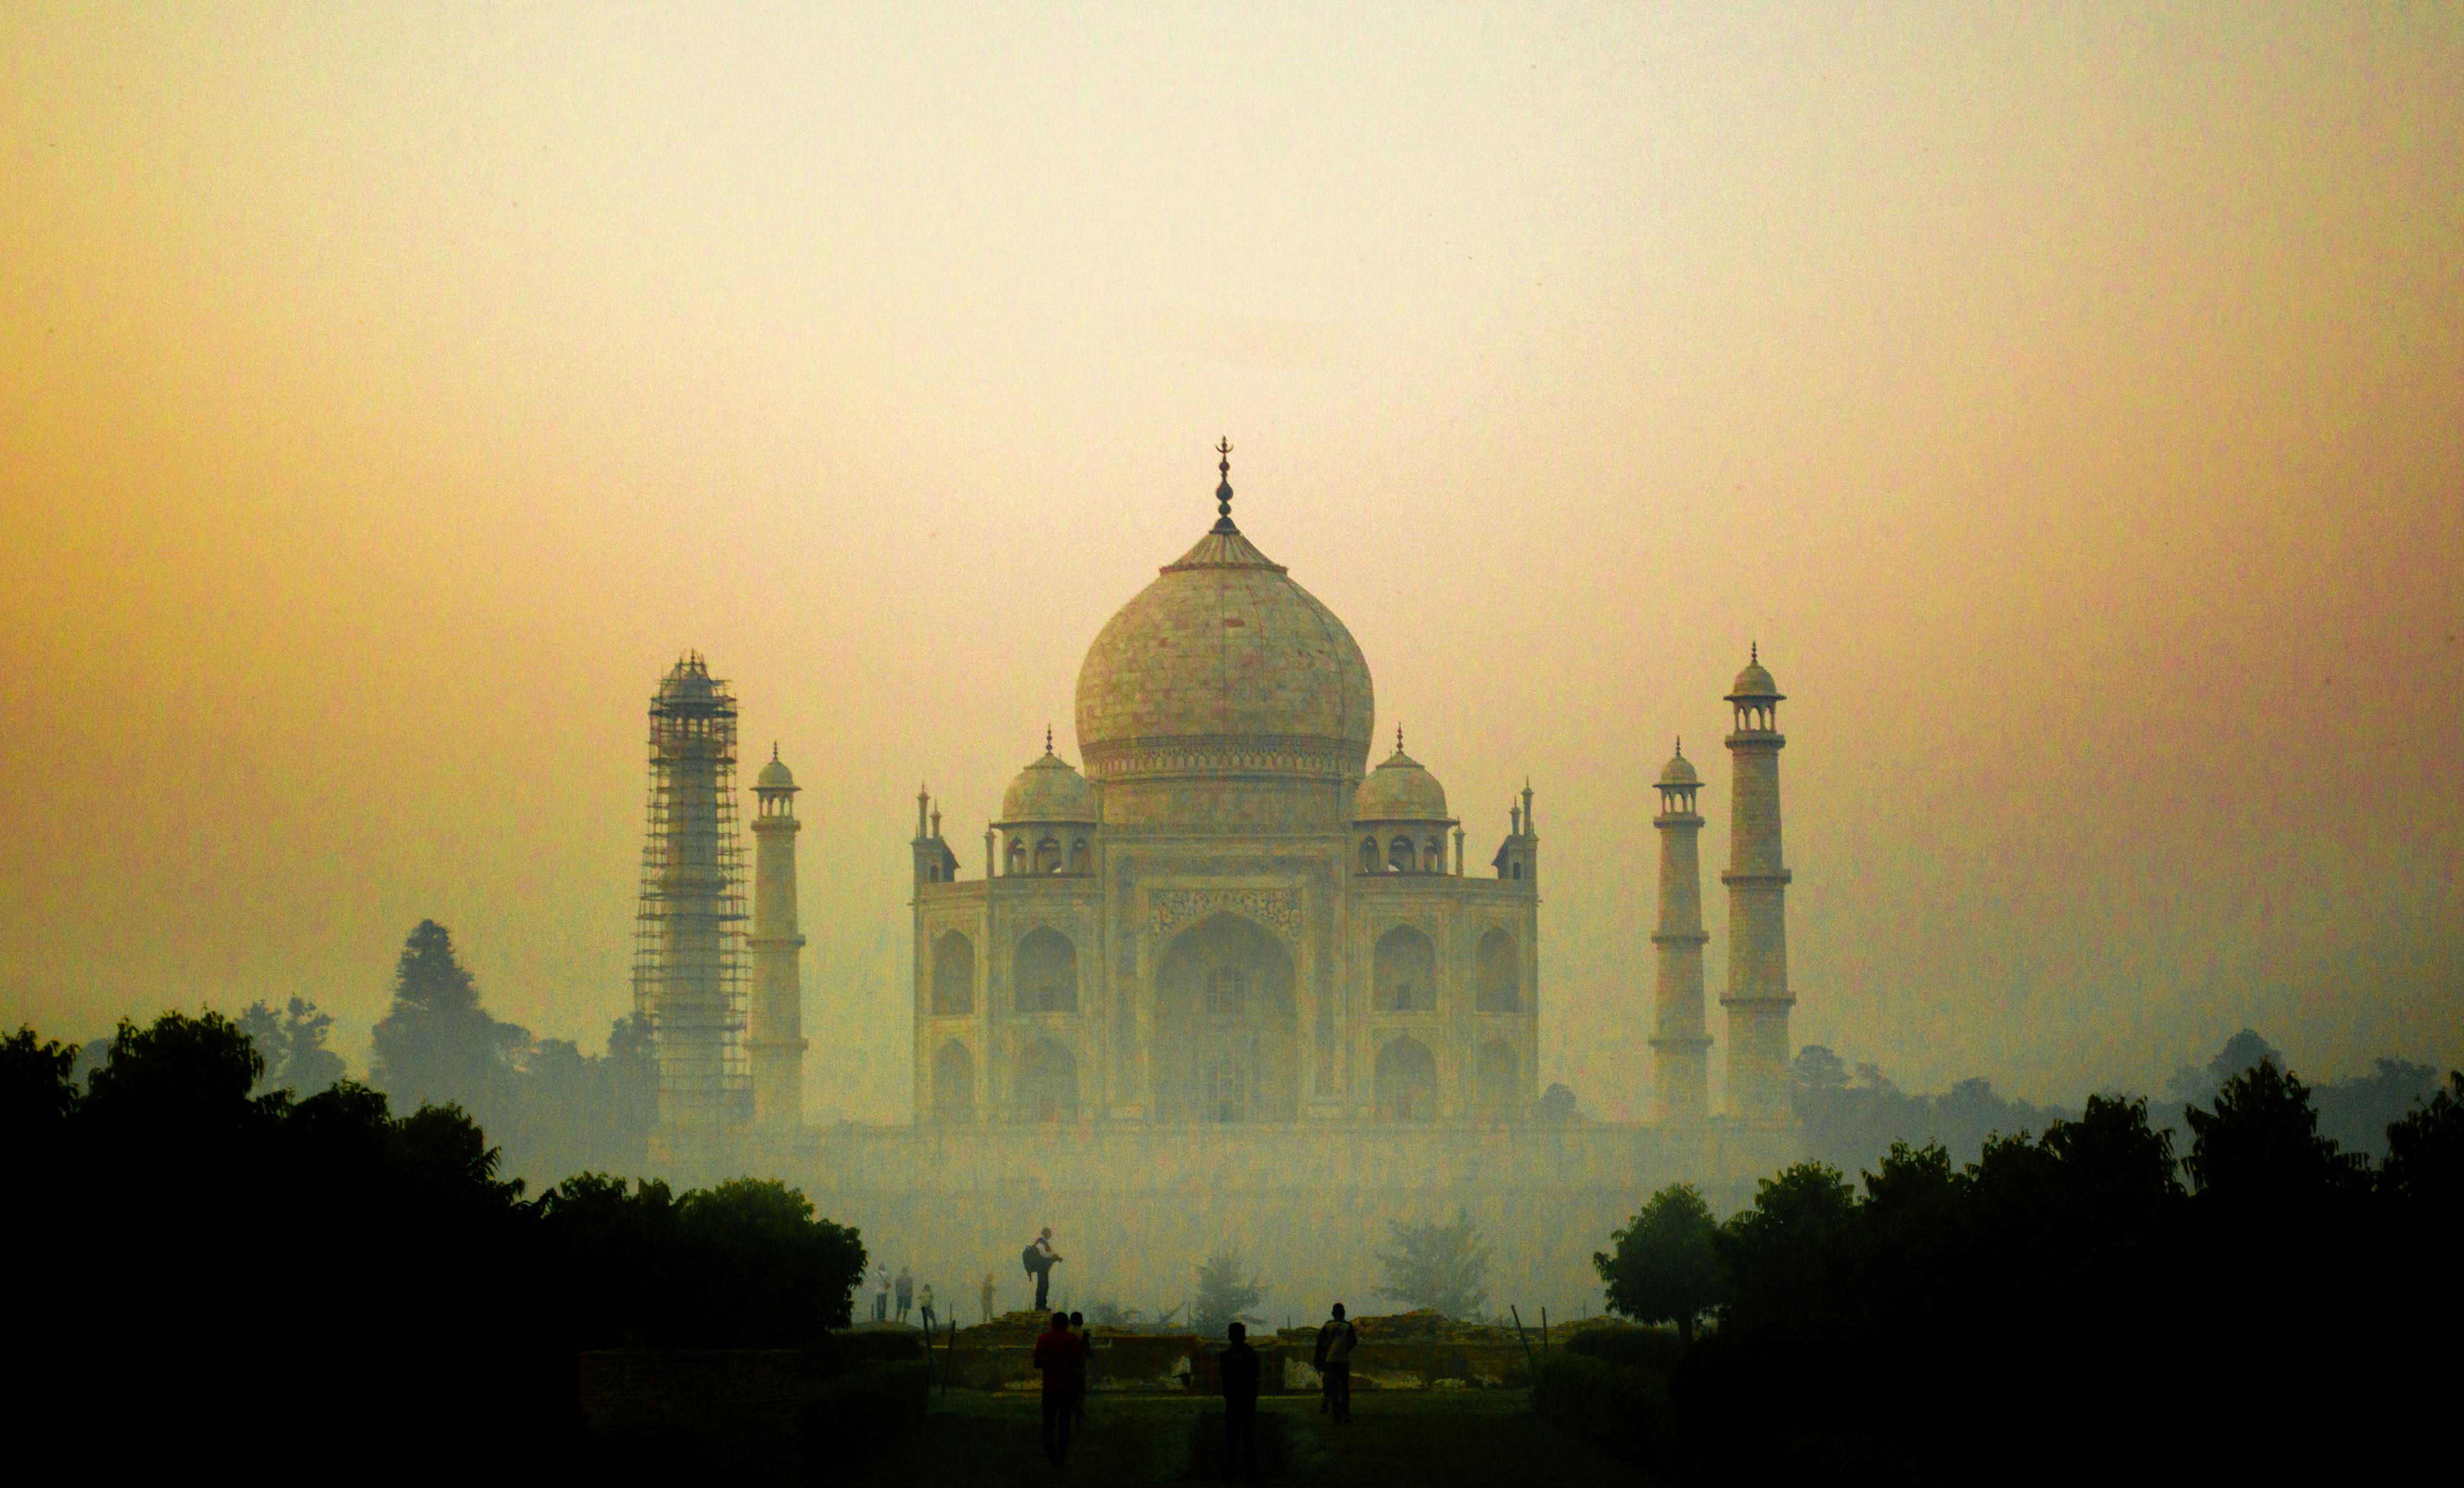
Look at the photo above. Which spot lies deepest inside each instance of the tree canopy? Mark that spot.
(1227, 1289)
(209, 1247)
(1439, 1267)
(1664, 1268)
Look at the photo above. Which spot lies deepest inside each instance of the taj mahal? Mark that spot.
(1229, 978)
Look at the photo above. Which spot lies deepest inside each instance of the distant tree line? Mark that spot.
(215, 1274)
(551, 1109)
(2087, 1299)
(1852, 1116)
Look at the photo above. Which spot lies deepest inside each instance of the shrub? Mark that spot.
(1619, 1406)
(833, 1354)
(1656, 1349)
(843, 1418)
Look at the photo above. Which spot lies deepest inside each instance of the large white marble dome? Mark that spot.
(1223, 665)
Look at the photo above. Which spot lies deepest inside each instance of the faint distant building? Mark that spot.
(777, 1025)
(687, 965)
(1680, 1057)
(1757, 998)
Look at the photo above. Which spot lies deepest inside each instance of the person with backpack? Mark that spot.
(1039, 1260)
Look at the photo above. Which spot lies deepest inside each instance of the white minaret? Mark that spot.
(777, 1035)
(1757, 999)
(1680, 1050)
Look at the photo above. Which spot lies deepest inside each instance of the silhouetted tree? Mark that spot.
(436, 1043)
(2424, 1174)
(36, 1094)
(2197, 1084)
(293, 1045)
(1779, 1254)
(2259, 1149)
(1557, 1106)
(2357, 1112)
(1226, 1290)
(1440, 1267)
(1664, 1268)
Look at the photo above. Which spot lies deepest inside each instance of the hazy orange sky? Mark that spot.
(2070, 400)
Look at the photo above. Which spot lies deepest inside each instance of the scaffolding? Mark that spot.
(688, 931)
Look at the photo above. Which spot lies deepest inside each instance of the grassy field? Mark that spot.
(1422, 1439)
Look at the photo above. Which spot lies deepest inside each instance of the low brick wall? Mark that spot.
(736, 1404)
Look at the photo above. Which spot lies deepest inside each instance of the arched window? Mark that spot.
(1399, 857)
(953, 1084)
(1500, 974)
(1497, 1082)
(1045, 1087)
(1403, 973)
(1518, 869)
(1407, 1082)
(954, 974)
(1080, 861)
(1369, 855)
(1047, 855)
(1433, 855)
(1016, 859)
(1044, 972)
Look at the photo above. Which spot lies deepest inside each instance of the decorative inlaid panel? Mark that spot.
(1169, 911)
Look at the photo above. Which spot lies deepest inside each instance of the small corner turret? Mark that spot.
(1518, 856)
(935, 862)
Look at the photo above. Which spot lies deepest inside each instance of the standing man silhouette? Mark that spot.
(1335, 1341)
(1057, 1353)
(1039, 1260)
(1238, 1371)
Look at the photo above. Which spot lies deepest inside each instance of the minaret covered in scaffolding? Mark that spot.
(688, 968)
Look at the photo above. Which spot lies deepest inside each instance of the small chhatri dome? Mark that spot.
(1048, 791)
(1400, 790)
(775, 776)
(1753, 681)
(1680, 769)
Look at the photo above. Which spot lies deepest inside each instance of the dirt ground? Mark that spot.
(1424, 1439)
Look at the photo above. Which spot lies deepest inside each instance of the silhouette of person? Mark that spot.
(924, 1306)
(1057, 1353)
(988, 1297)
(1078, 1388)
(905, 1292)
(1238, 1371)
(1040, 1260)
(881, 1294)
(1335, 1341)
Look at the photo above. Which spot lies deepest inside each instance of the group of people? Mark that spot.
(1061, 1354)
(1238, 1368)
(908, 1298)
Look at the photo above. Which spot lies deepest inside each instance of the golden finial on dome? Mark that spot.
(1223, 486)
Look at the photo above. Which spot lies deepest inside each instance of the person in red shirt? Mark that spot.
(1060, 1355)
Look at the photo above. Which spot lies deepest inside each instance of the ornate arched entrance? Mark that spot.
(1226, 1046)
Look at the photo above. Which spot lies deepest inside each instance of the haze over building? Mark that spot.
(1230, 980)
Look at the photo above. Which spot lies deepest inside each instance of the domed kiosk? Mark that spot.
(1228, 919)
